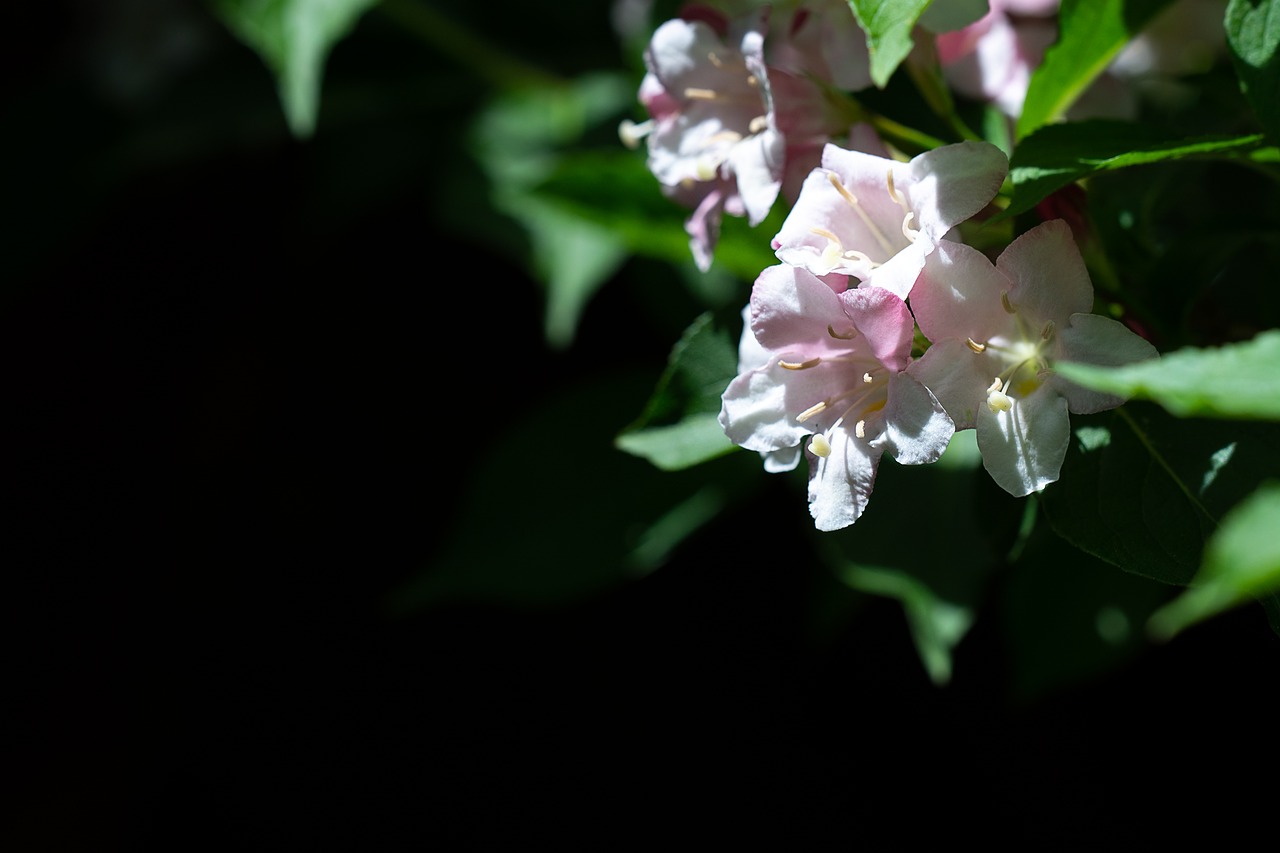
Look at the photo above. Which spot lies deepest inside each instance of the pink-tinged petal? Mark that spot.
(958, 295)
(898, 275)
(1050, 281)
(916, 428)
(757, 162)
(948, 185)
(840, 485)
(1094, 339)
(885, 323)
(958, 377)
(1023, 448)
(703, 228)
(791, 309)
(755, 412)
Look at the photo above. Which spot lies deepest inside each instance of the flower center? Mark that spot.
(1024, 360)
(835, 253)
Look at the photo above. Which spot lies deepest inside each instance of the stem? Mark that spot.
(487, 60)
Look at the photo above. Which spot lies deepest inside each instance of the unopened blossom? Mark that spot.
(829, 366)
(997, 330)
(877, 219)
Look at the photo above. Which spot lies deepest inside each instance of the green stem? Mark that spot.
(487, 60)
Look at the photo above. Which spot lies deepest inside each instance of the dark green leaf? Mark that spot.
(1060, 154)
(1253, 33)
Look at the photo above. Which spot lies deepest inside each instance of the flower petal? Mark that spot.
(958, 295)
(884, 321)
(1023, 448)
(958, 377)
(1094, 339)
(949, 184)
(1049, 278)
(840, 485)
(916, 428)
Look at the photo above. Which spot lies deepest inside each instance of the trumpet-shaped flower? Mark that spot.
(996, 332)
(877, 219)
(831, 364)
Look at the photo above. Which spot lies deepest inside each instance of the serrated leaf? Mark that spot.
(1253, 34)
(294, 38)
(1241, 564)
(1240, 380)
(1090, 34)
(1055, 156)
(887, 25)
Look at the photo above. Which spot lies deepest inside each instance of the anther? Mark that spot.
(853, 333)
(860, 429)
(1004, 302)
(800, 365)
(699, 94)
(758, 124)
(997, 400)
(866, 379)
(907, 231)
(820, 446)
(631, 133)
(974, 345)
(1047, 332)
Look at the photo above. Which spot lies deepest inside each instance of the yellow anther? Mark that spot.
(811, 411)
(700, 94)
(1048, 330)
(866, 378)
(1004, 302)
(860, 429)
(974, 345)
(800, 365)
(850, 335)
(820, 446)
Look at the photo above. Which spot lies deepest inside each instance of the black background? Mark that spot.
(243, 379)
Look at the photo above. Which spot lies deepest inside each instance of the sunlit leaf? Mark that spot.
(294, 38)
(888, 25)
(1240, 380)
(1091, 33)
(1241, 563)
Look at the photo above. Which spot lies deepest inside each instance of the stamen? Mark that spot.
(1004, 302)
(715, 60)
(816, 408)
(853, 333)
(866, 378)
(974, 345)
(1047, 332)
(997, 400)
(758, 124)
(631, 133)
(820, 446)
(907, 231)
(700, 94)
(862, 214)
(800, 365)
(893, 192)
(860, 429)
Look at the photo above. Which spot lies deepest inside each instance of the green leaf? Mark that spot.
(1060, 154)
(1090, 34)
(294, 38)
(1241, 564)
(1253, 34)
(888, 25)
(679, 426)
(1240, 380)
(1143, 490)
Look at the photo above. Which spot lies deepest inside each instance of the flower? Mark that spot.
(878, 219)
(996, 332)
(830, 363)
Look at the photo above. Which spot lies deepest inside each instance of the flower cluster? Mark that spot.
(879, 330)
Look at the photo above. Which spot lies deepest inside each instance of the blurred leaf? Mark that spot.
(940, 578)
(888, 25)
(1241, 564)
(1143, 490)
(1253, 33)
(1090, 34)
(1057, 155)
(294, 38)
(1240, 380)
(554, 514)
(679, 426)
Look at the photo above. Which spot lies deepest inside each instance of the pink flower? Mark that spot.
(877, 219)
(996, 332)
(993, 58)
(830, 363)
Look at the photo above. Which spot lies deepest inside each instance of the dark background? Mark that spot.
(246, 382)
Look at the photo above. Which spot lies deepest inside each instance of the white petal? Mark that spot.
(1023, 448)
(840, 485)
